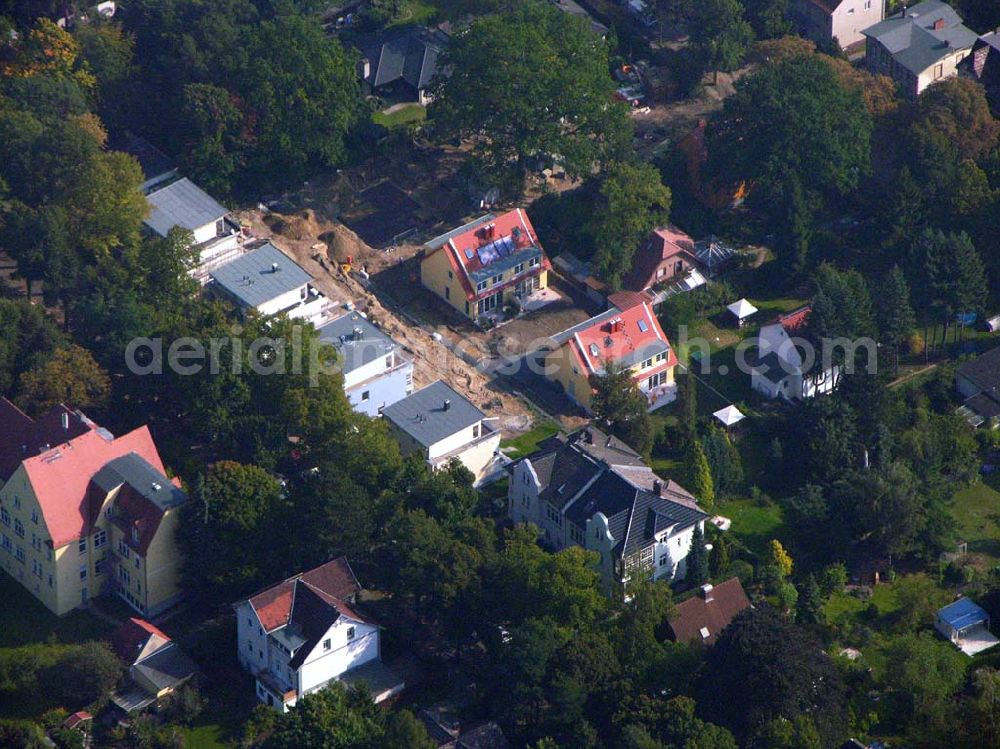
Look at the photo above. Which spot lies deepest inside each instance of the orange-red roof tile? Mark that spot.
(60, 477)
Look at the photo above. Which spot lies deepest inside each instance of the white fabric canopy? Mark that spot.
(729, 415)
(742, 309)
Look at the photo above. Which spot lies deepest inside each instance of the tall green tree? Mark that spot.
(634, 201)
(768, 18)
(896, 318)
(697, 559)
(700, 474)
(621, 408)
(720, 34)
(549, 93)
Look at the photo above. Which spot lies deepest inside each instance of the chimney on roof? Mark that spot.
(156, 487)
(588, 437)
(274, 268)
(706, 592)
(447, 404)
(358, 334)
(938, 25)
(658, 488)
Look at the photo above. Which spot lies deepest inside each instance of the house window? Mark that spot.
(135, 535)
(18, 528)
(575, 533)
(475, 432)
(17, 503)
(100, 538)
(34, 516)
(519, 268)
(6, 542)
(664, 560)
(466, 308)
(48, 554)
(83, 573)
(450, 275)
(554, 515)
(123, 548)
(19, 553)
(388, 362)
(250, 645)
(533, 262)
(327, 644)
(137, 560)
(83, 545)
(938, 71)
(656, 380)
(661, 357)
(497, 279)
(366, 395)
(350, 633)
(447, 292)
(51, 584)
(99, 566)
(4, 516)
(868, 4)
(481, 286)
(647, 364)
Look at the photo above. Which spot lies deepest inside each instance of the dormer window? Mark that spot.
(327, 644)
(34, 516)
(350, 633)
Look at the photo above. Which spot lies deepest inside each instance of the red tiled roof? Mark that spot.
(662, 245)
(457, 249)
(130, 638)
(624, 300)
(25, 437)
(335, 579)
(60, 477)
(620, 337)
(727, 599)
(76, 719)
(795, 321)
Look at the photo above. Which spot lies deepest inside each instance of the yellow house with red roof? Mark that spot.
(84, 513)
(484, 264)
(628, 335)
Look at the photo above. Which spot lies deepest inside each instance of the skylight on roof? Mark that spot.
(643, 327)
(594, 350)
(704, 633)
(468, 253)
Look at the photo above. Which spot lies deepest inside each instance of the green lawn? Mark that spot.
(527, 443)
(220, 725)
(977, 512)
(402, 116)
(753, 523)
(25, 621)
(842, 607)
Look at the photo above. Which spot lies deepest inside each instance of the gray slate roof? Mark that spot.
(983, 371)
(133, 470)
(252, 280)
(167, 667)
(357, 341)
(182, 203)
(410, 55)
(422, 414)
(914, 42)
(583, 476)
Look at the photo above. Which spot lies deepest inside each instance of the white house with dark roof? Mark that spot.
(591, 490)
(300, 635)
(780, 367)
(402, 63)
(443, 425)
(978, 380)
(183, 204)
(270, 282)
(376, 370)
(919, 46)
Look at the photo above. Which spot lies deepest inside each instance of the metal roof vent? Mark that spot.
(447, 404)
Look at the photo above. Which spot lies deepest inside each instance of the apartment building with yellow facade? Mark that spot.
(483, 265)
(84, 513)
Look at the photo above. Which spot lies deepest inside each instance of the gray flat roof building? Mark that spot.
(182, 203)
(357, 341)
(433, 413)
(260, 276)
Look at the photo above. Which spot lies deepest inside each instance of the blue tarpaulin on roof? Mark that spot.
(962, 614)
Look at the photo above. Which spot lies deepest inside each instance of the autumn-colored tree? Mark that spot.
(779, 558)
(71, 376)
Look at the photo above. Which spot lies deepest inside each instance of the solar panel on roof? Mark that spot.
(487, 254)
(468, 253)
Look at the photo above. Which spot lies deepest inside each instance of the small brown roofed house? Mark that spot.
(665, 255)
(703, 616)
